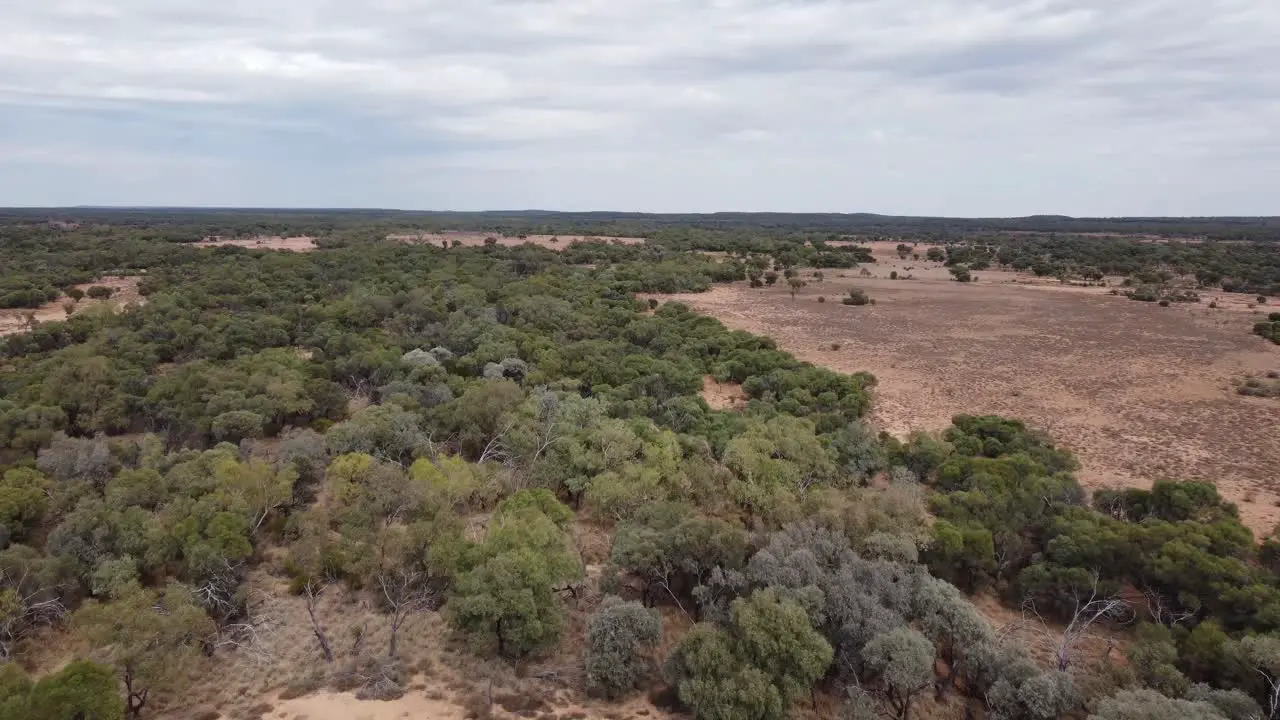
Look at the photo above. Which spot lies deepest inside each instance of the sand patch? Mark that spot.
(263, 242)
(125, 292)
(723, 396)
(477, 239)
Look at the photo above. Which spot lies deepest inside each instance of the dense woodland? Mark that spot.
(336, 417)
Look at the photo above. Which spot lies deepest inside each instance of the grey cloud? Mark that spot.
(839, 105)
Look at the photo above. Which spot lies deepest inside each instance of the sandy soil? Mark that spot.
(723, 396)
(1137, 391)
(474, 239)
(14, 320)
(273, 242)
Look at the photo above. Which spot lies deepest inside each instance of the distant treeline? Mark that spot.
(232, 222)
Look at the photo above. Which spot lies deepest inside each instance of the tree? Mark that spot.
(1151, 705)
(794, 284)
(620, 635)
(1233, 704)
(903, 660)
(83, 690)
(1041, 696)
(30, 595)
(237, 425)
(151, 638)
(509, 599)
(258, 485)
(1153, 657)
(773, 634)
(857, 296)
(1088, 611)
(1263, 654)
(768, 657)
(402, 586)
(384, 431)
(23, 503)
(713, 682)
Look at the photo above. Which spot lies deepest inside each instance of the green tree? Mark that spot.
(1151, 705)
(23, 503)
(903, 660)
(767, 658)
(508, 600)
(1154, 657)
(620, 636)
(82, 690)
(150, 638)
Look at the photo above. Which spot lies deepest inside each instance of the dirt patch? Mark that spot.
(723, 396)
(125, 292)
(1137, 391)
(264, 242)
(477, 239)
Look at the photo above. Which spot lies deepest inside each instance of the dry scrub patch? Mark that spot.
(264, 242)
(477, 239)
(443, 678)
(14, 320)
(1138, 392)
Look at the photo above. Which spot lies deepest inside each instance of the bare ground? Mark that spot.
(264, 242)
(475, 239)
(1137, 391)
(723, 396)
(14, 320)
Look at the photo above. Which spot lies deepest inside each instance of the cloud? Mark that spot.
(927, 107)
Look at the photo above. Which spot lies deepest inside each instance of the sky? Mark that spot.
(923, 107)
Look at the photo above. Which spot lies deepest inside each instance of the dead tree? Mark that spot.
(1161, 611)
(1088, 612)
(23, 608)
(406, 592)
(311, 590)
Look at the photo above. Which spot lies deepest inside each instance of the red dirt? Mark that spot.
(1137, 391)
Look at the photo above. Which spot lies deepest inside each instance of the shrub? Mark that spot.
(1164, 303)
(893, 275)
(857, 296)
(619, 637)
(961, 274)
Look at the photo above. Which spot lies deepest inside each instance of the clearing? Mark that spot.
(476, 239)
(1137, 391)
(16, 320)
(264, 242)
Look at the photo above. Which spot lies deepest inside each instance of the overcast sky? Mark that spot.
(939, 107)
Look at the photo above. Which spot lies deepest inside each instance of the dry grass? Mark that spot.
(439, 675)
(1137, 391)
